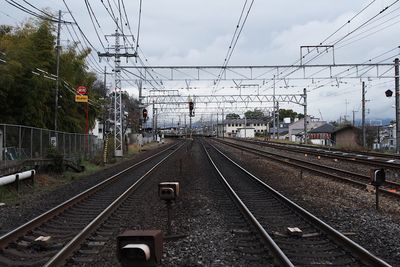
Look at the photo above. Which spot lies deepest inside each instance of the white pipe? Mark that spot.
(13, 177)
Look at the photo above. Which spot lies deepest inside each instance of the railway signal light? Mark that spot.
(389, 93)
(144, 114)
(191, 108)
(140, 248)
(378, 177)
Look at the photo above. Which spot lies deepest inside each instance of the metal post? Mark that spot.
(223, 125)
(377, 197)
(305, 115)
(31, 143)
(41, 143)
(277, 120)
(57, 71)
(217, 126)
(19, 141)
(190, 126)
(154, 130)
(274, 110)
(363, 115)
(169, 217)
(70, 145)
(396, 86)
(5, 143)
(245, 126)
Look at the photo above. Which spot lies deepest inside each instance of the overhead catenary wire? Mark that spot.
(235, 38)
(94, 26)
(33, 13)
(331, 35)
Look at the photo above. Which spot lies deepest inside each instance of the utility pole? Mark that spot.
(118, 118)
(217, 126)
(305, 115)
(223, 125)
(396, 86)
(58, 48)
(154, 124)
(354, 111)
(274, 109)
(363, 115)
(277, 120)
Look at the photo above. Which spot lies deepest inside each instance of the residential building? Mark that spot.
(347, 137)
(296, 129)
(247, 132)
(321, 135)
(282, 130)
(230, 127)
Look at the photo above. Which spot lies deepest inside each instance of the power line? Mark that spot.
(234, 40)
(94, 26)
(33, 13)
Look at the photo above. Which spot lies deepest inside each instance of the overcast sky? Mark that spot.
(188, 32)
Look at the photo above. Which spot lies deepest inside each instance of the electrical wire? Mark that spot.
(32, 13)
(233, 42)
(94, 26)
(138, 31)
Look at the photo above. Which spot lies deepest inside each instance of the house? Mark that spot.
(321, 135)
(230, 128)
(347, 136)
(247, 132)
(296, 129)
(282, 130)
(387, 137)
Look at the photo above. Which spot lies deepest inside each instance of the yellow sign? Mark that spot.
(81, 98)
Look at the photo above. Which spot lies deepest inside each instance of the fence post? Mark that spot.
(31, 143)
(70, 146)
(41, 143)
(5, 144)
(20, 141)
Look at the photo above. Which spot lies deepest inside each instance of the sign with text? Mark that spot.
(81, 90)
(81, 98)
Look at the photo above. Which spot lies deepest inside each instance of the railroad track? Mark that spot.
(312, 243)
(389, 188)
(70, 223)
(383, 160)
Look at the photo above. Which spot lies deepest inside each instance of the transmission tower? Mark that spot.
(115, 51)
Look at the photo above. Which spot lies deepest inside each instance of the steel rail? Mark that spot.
(68, 249)
(331, 154)
(303, 164)
(277, 253)
(39, 220)
(364, 255)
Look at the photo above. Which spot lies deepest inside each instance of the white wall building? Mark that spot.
(98, 129)
(247, 132)
(231, 127)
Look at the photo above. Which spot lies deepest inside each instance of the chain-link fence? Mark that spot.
(22, 142)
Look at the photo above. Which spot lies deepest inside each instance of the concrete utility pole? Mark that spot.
(363, 115)
(305, 115)
(58, 48)
(354, 111)
(274, 110)
(277, 120)
(154, 124)
(217, 126)
(397, 95)
(118, 116)
(223, 125)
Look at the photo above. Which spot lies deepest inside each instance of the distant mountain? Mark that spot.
(375, 121)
